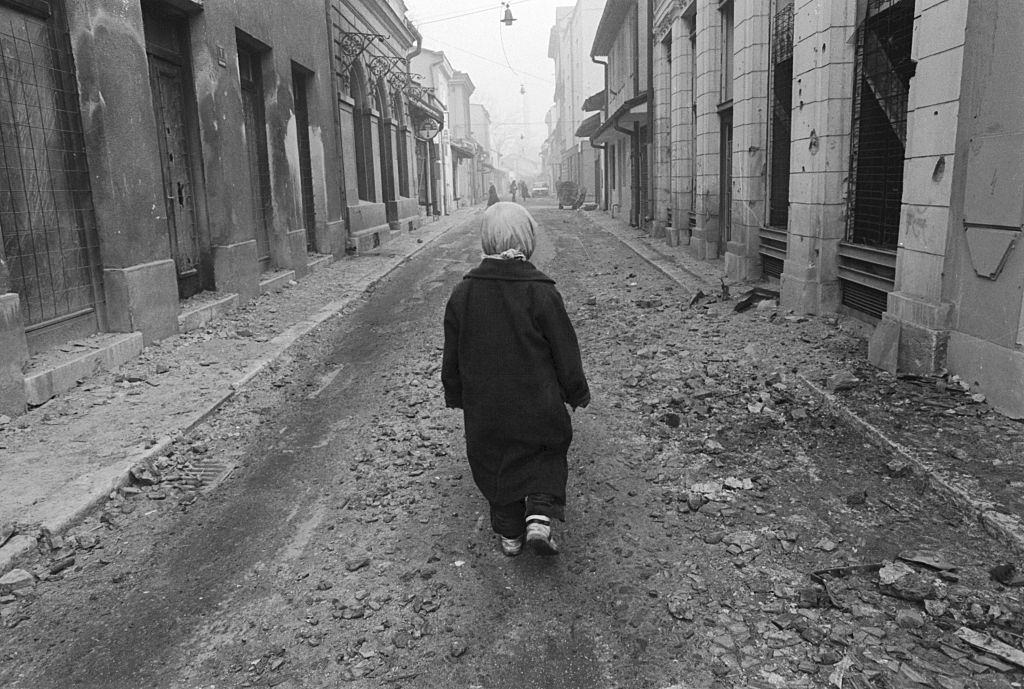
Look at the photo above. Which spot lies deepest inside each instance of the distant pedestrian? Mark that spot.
(511, 363)
(512, 189)
(492, 196)
(523, 191)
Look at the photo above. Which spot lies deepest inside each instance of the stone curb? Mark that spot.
(1006, 528)
(90, 490)
(673, 271)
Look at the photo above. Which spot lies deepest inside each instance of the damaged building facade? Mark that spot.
(867, 157)
(154, 149)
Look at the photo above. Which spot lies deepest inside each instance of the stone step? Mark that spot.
(200, 315)
(274, 282)
(58, 372)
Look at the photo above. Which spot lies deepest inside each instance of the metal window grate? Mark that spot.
(884, 69)
(782, 115)
(771, 266)
(46, 214)
(866, 300)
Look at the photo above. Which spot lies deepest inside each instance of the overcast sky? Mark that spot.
(473, 44)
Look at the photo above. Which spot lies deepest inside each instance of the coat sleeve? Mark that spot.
(450, 378)
(565, 349)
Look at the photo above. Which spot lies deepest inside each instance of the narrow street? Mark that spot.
(349, 547)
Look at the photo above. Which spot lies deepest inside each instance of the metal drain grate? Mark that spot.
(209, 472)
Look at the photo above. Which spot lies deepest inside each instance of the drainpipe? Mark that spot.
(604, 147)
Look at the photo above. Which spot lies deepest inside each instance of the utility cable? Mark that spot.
(444, 18)
(546, 80)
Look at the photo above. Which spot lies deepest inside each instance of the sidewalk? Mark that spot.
(933, 427)
(64, 457)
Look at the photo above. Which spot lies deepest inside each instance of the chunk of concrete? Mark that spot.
(16, 580)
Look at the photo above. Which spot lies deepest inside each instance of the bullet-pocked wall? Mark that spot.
(957, 303)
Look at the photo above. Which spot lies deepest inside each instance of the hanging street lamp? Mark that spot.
(507, 19)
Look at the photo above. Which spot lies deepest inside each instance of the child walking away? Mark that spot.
(512, 363)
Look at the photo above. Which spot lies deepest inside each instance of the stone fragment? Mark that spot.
(898, 468)
(16, 580)
(936, 608)
(892, 571)
(457, 648)
(915, 588)
(713, 447)
(7, 530)
(843, 380)
(60, 565)
(826, 544)
(927, 558)
(909, 619)
(357, 564)
(145, 474)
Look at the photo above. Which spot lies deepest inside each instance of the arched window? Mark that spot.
(361, 132)
(384, 141)
(402, 149)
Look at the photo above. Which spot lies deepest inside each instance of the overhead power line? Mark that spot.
(492, 7)
(546, 80)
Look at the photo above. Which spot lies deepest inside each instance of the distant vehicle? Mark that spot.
(539, 189)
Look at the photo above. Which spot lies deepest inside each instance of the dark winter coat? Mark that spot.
(512, 363)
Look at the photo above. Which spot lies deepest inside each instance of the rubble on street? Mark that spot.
(725, 527)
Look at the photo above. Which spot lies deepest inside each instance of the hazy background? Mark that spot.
(473, 43)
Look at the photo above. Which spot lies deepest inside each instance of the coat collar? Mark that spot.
(496, 269)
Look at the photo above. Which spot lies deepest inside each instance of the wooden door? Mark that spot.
(168, 81)
(256, 149)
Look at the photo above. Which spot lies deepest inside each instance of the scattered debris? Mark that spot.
(752, 297)
(145, 474)
(991, 645)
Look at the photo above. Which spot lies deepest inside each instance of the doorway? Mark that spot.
(725, 178)
(251, 77)
(300, 89)
(170, 79)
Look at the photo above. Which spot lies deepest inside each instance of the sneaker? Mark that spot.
(538, 535)
(512, 546)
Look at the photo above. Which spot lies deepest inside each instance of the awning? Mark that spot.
(589, 126)
(422, 109)
(628, 114)
(463, 150)
(596, 101)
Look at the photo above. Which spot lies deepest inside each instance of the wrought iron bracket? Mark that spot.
(382, 66)
(352, 44)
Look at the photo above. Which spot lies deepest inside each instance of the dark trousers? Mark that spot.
(510, 520)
